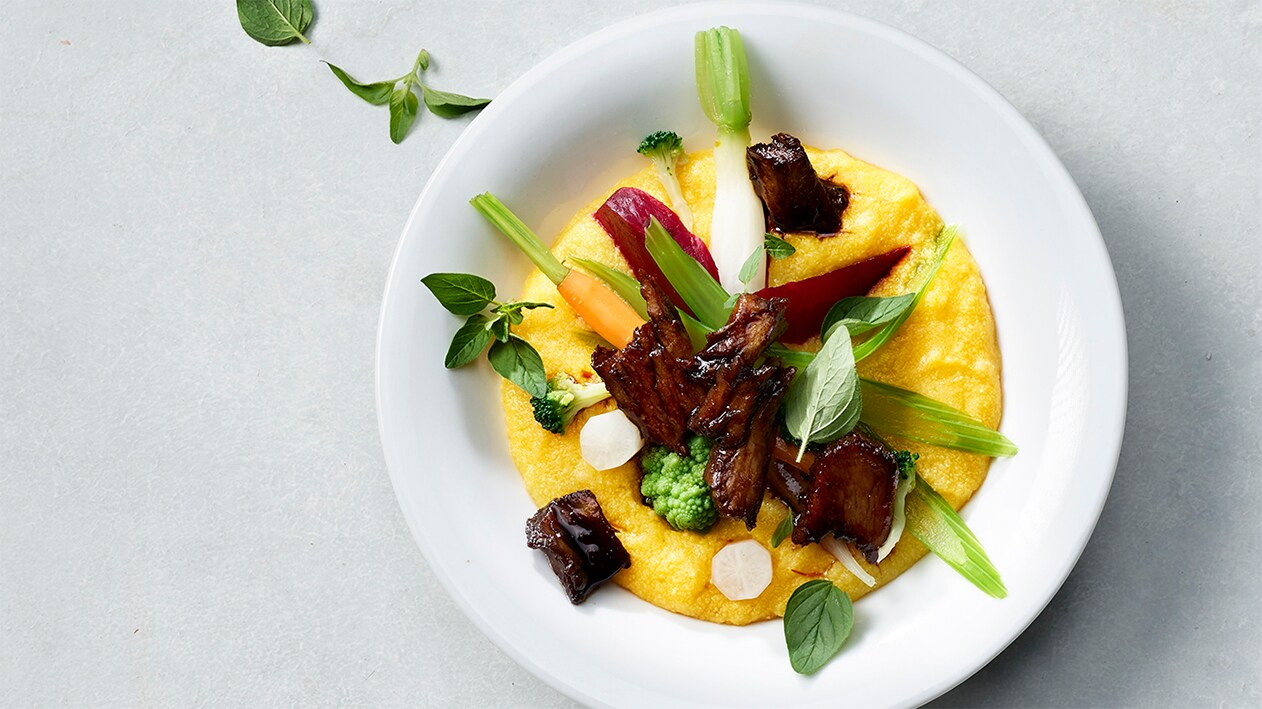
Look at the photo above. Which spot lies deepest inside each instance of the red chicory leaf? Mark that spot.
(625, 216)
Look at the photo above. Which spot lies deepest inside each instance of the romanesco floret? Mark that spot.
(676, 486)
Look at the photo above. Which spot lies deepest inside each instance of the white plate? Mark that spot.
(563, 133)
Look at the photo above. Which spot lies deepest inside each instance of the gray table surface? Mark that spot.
(195, 235)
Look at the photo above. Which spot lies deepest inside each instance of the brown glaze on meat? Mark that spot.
(649, 377)
(579, 542)
(794, 197)
(737, 474)
(848, 491)
(738, 409)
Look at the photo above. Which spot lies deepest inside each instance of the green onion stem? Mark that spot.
(509, 225)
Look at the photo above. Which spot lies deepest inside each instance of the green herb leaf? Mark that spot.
(695, 285)
(500, 328)
(469, 341)
(275, 22)
(939, 527)
(777, 248)
(888, 330)
(900, 412)
(860, 314)
(403, 105)
(461, 293)
(375, 93)
(783, 530)
(749, 269)
(450, 105)
(817, 620)
(520, 364)
(422, 61)
(824, 402)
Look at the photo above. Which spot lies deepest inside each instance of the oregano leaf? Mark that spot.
(375, 93)
(275, 22)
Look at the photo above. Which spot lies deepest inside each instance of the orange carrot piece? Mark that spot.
(601, 308)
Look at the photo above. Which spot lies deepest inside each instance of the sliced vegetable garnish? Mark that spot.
(939, 527)
(741, 570)
(698, 289)
(723, 89)
(900, 412)
(609, 440)
(824, 400)
(810, 299)
(817, 620)
(625, 216)
(888, 330)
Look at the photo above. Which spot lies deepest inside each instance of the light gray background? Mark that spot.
(196, 231)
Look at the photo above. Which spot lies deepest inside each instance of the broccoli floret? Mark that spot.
(664, 148)
(565, 398)
(906, 461)
(676, 486)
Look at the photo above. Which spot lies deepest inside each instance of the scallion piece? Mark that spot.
(901, 412)
(939, 527)
(499, 214)
(703, 295)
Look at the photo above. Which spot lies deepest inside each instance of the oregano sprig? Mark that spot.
(489, 322)
(400, 94)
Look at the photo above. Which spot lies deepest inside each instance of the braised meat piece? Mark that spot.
(738, 409)
(737, 474)
(794, 197)
(649, 377)
(848, 491)
(579, 542)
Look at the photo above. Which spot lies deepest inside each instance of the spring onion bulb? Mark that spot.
(737, 226)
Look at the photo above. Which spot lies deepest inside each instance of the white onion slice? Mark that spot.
(899, 517)
(741, 570)
(609, 440)
(846, 556)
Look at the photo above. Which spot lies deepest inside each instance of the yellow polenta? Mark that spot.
(946, 350)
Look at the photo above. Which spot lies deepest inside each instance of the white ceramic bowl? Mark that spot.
(561, 135)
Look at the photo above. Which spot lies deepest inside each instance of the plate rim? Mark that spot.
(1030, 137)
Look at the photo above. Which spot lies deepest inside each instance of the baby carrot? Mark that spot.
(602, 309)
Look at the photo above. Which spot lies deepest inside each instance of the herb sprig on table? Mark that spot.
(399, 94)
(280, 22)
(514, 358)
